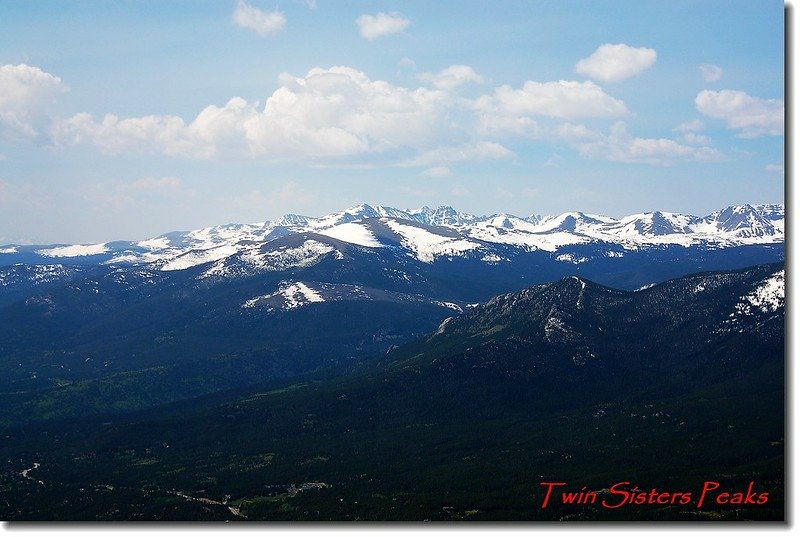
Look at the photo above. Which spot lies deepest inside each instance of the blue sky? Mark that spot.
(123, 120)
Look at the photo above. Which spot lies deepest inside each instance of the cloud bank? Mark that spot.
(339, 116)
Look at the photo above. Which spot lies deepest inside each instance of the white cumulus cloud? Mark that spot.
(382, 24)
(563, 100)
(26, 92)
(711, 72)
(258, 20)
(328, 113)
(613, 63)
(690, 133)
(452, 77)
(751, 116)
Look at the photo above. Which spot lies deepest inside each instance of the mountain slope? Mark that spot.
(568, 381)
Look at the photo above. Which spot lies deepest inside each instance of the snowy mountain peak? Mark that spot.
(565, 222)
(292, 220)
(742, 220)
(503, 221)
(362, 211)
(573, 222)
(444, 215)
(770, 211)
(359, 212)
(657, 224)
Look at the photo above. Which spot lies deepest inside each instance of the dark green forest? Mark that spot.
(571, 381)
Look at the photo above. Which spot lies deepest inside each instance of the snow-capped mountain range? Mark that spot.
(300, 293)
(425, 234)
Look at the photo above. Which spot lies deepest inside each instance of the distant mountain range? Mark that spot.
(189, 313)
(423, 234)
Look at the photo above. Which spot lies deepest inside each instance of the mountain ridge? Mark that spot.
(429, 234)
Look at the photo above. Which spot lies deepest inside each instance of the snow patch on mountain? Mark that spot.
(309, 253)
(75, 250)
(493, 259)
(353, 233)
(572, 258)
(36, 274)
(448, 305)
(294, 295)
(699, 288)
(427, 246)
(213, 236)
(768, 297)
(258, 258)
(142, 258)
(513, 231)
(156, 243)
(555, 326)
(195, 257)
